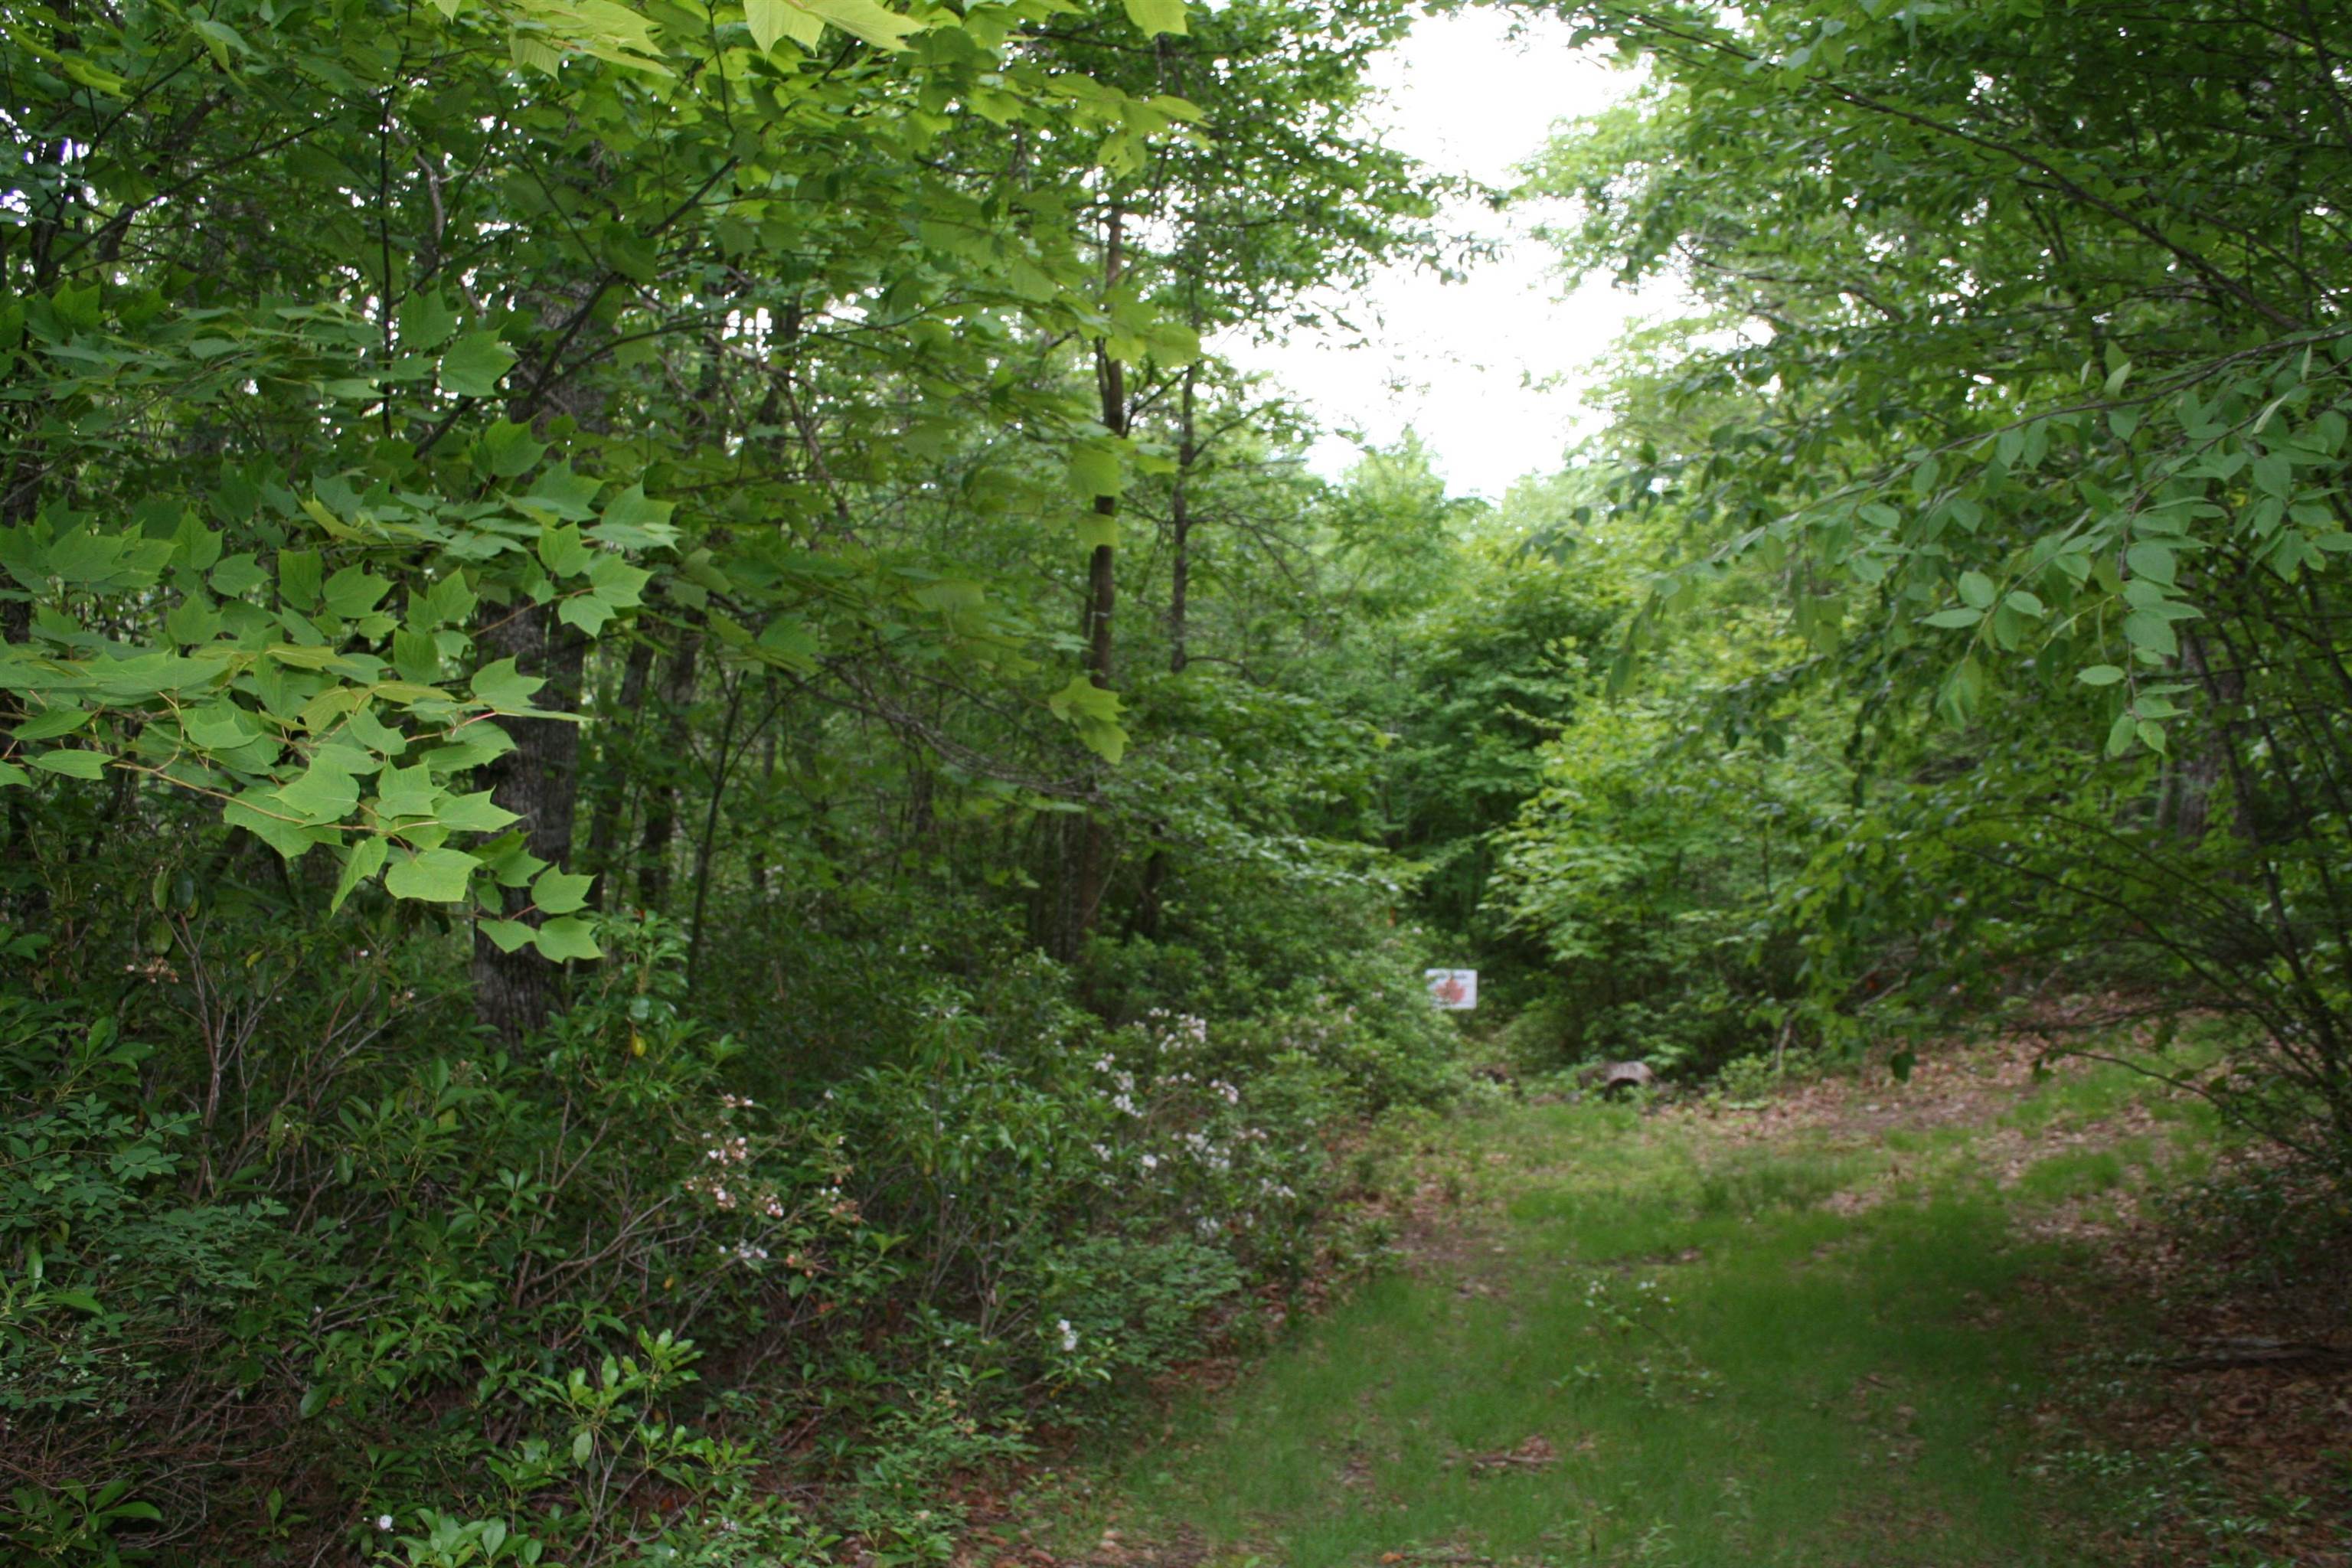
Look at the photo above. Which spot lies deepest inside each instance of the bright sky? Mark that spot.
(1490, 372)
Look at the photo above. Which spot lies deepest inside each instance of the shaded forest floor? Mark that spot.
(1949, 1323)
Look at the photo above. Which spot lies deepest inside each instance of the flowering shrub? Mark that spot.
(362, 1285)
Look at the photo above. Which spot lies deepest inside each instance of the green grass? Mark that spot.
(1728, 1371)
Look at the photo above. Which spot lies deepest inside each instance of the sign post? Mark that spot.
(1454, 990)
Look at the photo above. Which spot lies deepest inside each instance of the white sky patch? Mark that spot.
(1490, 372)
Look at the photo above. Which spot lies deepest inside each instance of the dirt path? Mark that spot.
(1851, 1326)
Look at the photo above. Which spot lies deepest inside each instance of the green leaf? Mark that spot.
(2099, 674)
(584, 1443)
(505, 687)
(1095, 470)
(2275, 474)
(1156, 16)
(1953, 619)
(2121, 733)
(416, 656)
(558, 892)
(237, 575)
(299, 577)
(406, 791)
(48, 726)
(585, 611)
(567, 938)
(259, 814)
(220, 727)
(1093, 711)
(434, 876)
(771, 20)
(507, 936)
(2150, 560)
(616, 582)
(865, 20)
(353, 592)
(561, 552)
(361, 861)
(1097, 530)
(1976, 589)
(73, 764)
(474, 365)
(475, 813)
(2151, 632)
(324, 793)
(447, 603)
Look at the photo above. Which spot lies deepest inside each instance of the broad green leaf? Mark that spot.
(2099, 674)
(2151, 632)
(406, 791)
(299, 578)
(475, 813)
(325, 792)
(353, 592)
(865, 20)
(1095, 471)
(259, 814)
(585, 611)
(567, 938)
(561, 552)
(771, 20)
(361, 861)
(1157, 17)
(616, 582)
(1976, 589)
(416, 656)
(48, 726)
(507, 936)
(474, 365)
(559, 892)
(1093, 711)
(434, 876)
(72, 763)
(2151, 560)
(504, 687)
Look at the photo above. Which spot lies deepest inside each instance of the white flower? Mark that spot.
(1069, 1334)
(1151, 1162)
(383, 1521)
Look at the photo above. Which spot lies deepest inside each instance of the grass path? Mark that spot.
(1816, 1335)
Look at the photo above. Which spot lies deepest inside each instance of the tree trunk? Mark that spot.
(1093, 868)
(538, 781)
(661, 800)
(1179, 582)
(611, 791)
(1179, 528)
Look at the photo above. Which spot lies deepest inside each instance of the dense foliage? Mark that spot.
(563, 566)
(699, 819)
(2021, 391)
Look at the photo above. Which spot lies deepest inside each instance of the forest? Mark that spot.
(710, 840)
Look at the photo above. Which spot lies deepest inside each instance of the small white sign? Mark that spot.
(1455, 989)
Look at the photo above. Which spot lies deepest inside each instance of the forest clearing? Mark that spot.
(1861, 1322)
(792, 784)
